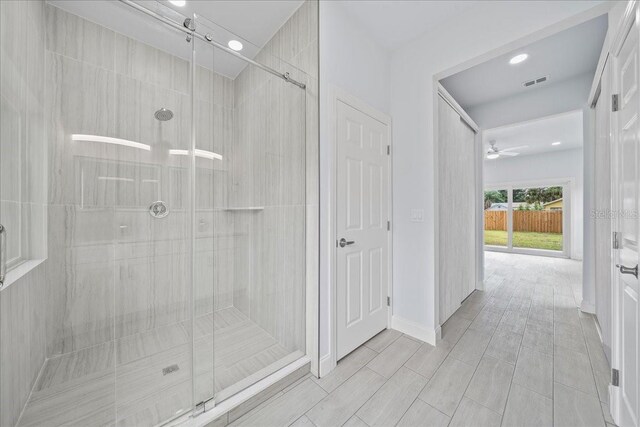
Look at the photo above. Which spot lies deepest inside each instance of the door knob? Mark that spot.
(343, 242)
(628, 270)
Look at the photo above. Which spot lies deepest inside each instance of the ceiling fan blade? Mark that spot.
(508, 153)
(514, 148)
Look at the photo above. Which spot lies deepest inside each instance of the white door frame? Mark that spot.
(568, 185)
(336, 95)
(626, 25)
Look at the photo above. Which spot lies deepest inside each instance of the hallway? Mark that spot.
(519, 354)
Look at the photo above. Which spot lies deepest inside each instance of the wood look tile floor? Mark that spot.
(124, 381)
(519, 353)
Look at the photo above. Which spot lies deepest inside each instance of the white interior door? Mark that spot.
(627, 193)
(361, 226)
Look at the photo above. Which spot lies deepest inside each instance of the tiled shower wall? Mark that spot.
(111, 257)
(22, 304)
(274, 141)
(113, 262)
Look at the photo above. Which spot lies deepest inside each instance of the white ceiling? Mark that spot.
(392, 23)
(566, 54)
(538, 135)
(253, 22)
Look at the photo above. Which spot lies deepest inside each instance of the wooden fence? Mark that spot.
(538, 221)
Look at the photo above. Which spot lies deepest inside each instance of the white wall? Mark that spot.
(353, 62)
(561, 164)
(495, 27)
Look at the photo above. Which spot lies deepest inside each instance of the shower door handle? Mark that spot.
(3, 254)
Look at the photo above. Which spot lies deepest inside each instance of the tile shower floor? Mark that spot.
(518, 354)
(93, 386)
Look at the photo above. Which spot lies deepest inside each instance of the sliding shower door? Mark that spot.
(252, 124)
(175, 206)
(120, 223)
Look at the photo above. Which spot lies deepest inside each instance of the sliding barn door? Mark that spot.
(456, 209)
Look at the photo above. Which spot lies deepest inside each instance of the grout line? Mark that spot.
(476, 368)
(35, 384)
(383, 384)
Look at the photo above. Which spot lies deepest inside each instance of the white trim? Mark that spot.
(588, 307)
(479, 154)
(446, 96)
(625, 26)
(326, 365)
(540, 119)
(415, 330)
(335, 94)
(20, 271)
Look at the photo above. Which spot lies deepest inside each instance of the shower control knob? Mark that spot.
(158, 209)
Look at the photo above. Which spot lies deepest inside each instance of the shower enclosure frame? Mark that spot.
(209, 410)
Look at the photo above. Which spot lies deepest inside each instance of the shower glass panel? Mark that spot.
(255, 123)
(176, 266)
(120, 222)
(154, 248)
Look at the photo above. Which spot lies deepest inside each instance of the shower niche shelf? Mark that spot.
(244, 209)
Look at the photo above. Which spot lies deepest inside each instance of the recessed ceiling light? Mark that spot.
(492, 156)
(178, 3)
(518, 59)
(556, 143)
(235, 45)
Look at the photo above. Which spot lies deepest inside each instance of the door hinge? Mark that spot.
(615, 240)
(388, 301)
(615, 378)
(388, 150)
(388, 225)
(614, 102)
(199, 409)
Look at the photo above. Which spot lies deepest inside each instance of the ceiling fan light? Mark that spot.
(492, 156)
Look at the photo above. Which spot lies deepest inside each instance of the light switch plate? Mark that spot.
(417, 215)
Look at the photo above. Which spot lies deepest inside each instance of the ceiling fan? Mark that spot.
(494, 152)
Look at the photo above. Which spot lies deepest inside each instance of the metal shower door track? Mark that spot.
(208, 39)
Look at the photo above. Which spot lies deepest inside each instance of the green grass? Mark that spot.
(525, 239)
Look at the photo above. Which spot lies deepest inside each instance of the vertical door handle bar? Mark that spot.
(3, 254)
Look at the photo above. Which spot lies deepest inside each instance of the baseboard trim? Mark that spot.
(414, 330)
(326, 365)
(587, 307)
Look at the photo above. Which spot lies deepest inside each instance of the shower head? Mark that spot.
(163, 114)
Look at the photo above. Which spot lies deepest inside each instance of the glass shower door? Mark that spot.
(154, 228)
(120, 221)
(259, 205)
